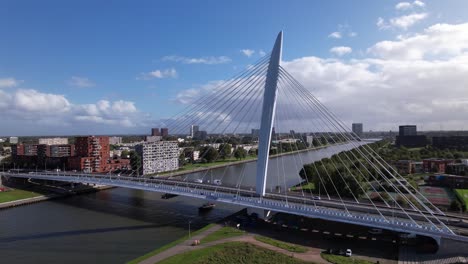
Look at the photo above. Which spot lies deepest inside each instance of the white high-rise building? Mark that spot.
(194, 130)
(310, 141)
(158, 156)
(13, 140)
(53, 141)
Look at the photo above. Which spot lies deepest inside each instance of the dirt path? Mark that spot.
(312, 254)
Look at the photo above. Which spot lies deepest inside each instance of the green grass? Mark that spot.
(224, 232)
(167, 246)
(343, 260)
(463, 196)
(15, 194)
(310, 186)
(280, 244)
(231, 253)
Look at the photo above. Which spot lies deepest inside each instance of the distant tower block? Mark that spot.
(268, 115)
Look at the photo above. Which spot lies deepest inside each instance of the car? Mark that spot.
(317, 198)
(217, 182)
(349, 253)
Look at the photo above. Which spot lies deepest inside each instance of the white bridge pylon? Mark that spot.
(268, 115)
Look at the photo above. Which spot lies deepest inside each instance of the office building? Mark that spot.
(13, 140)
(408, 137)
(451, 142)
(193, 130)
(201, 135)
(408, 130)
(158, 156)
(164, 132)
(310, 141)
(155, 132)
(53, 141)
(357, 129)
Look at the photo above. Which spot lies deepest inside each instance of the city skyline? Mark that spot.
(385, 65)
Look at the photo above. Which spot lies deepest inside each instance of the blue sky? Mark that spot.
(77, 53)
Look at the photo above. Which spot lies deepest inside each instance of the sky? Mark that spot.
(99, 67)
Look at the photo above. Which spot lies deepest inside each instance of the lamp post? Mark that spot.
(189, 234)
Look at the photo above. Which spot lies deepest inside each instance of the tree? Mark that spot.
(240, 153)
(208, 154)
(225, 151)
(125, 154)
(135, 161)
(455, 205)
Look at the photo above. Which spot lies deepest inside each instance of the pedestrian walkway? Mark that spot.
(409, 256)
(312, 255)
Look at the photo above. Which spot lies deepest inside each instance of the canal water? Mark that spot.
(118, 225)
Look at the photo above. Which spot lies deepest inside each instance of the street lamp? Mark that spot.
(189, 235)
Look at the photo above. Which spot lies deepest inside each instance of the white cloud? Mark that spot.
(335, 35)
(381, 24)
(158, 74)
(394, 88)
(419, 3)
(81, 82)
(437, 40)
(341, 50)
(404, 22)
(261, 53)
(403, 6)
(352, 34)
(203, 60)
(247, 52)
(9, 82)
(29, 108)
(408, 5)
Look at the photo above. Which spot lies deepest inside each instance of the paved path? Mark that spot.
(182, 247)
(312, 255)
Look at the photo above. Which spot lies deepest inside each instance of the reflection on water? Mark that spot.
(278, 167)
(111, 226)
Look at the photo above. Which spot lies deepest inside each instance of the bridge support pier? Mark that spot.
(262, 213)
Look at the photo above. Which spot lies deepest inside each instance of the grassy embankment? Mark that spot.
(16, 194)
(342, 259)
(280, 244)
(224, 232)
(232, 253)
(463, 196)
(167, 246)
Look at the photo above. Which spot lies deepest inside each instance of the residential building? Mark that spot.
(408, 166)
(53, 141)
(164, 132)
(446, 180)
(155, 132)
(158, 156)
(13, 140)
(152, 138)
(92, 154)
(115, 140)
(457, 169)
(357, 129)
(436, 165)
(194, 130)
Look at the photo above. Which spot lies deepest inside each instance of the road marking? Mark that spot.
(315, 231)
(362, 237)
(326, 232)
(337, 234)
(349, 235)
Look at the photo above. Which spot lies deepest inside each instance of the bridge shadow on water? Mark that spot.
(77, 233)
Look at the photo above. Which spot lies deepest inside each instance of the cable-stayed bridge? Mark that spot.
(265, 97)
